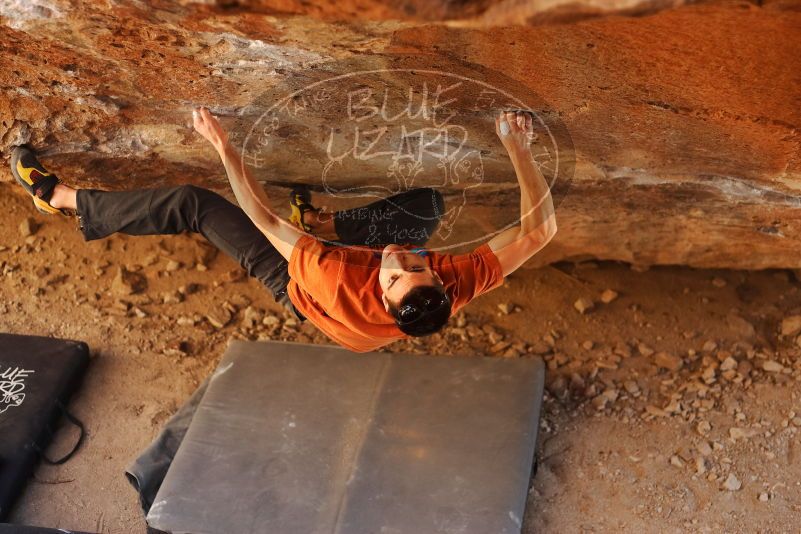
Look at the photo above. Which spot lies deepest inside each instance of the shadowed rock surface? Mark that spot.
(676, 132)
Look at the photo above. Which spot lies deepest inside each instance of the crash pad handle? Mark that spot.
(74, 420)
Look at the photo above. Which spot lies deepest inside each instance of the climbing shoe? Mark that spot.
(32, 175)
(300, 204)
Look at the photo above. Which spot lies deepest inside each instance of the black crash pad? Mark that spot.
(37, 377)
(303, 438)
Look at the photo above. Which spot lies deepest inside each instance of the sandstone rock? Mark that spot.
(583, 305)
(172, 297)
(119, 308)
(703, 428)
(656, 411)
(186, 321)
(252, 316)
(609, 361)
(499, 347)
(506, 308)
(558, 387)
(791, 325)
(736, 433)
(608, 396)
(623, 350)
(126, 282)
(180, 54)
(631, 387)
(709, 346)
(772, 366)
(540, 348)
(609, 295)
(271, 320)
(177, 349)
(700, 466)
(732, 483)
(234, 275)
(704, 448)
(668, 361)
(741, 326)
(220, 318)
(744, 367)
(28, 227)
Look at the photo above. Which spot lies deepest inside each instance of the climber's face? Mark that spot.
(402, 270)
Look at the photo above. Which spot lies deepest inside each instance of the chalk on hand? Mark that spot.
(505, 128)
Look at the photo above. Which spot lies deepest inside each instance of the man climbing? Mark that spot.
(365, 293)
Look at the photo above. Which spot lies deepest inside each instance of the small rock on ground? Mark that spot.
(28, 227)
(609, 295)
(732, 483)
(583, 305)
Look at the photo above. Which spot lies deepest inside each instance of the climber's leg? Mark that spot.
(408, 218)
(185, 208)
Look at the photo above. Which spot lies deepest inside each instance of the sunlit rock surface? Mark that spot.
(671, 137)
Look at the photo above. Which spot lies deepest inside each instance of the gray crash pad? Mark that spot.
(292, 438)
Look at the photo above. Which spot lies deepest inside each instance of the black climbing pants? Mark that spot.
(408, 218)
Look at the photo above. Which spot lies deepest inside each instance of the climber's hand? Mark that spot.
(515, 128)
(209, 127)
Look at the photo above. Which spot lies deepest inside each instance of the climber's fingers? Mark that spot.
(203, 117)
(208, 126)
(199, 120)
(503, 124)
(520, 119)
(207, 116)
(529, 124)
(511, 120)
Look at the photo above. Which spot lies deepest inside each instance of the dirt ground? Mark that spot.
(671, 408)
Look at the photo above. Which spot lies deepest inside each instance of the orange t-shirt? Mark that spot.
(337, 289)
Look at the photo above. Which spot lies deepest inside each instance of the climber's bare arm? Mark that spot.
(537, 225)
(250, 195)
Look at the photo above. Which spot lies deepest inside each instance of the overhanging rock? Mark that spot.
(677, 131)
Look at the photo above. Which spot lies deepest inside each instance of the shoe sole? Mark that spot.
(40, 204)
(303, 194)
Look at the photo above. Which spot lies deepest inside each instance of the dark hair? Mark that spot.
(422, 311)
